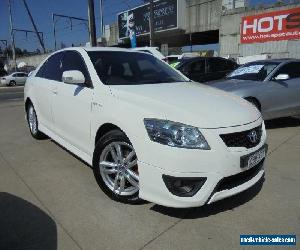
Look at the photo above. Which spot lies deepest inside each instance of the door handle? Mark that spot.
(54, 91)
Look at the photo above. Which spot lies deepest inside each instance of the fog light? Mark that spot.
(183, 186)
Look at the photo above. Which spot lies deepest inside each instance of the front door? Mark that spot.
(72, 106)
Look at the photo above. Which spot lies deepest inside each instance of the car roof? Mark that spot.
(280, 60)
(196, 58)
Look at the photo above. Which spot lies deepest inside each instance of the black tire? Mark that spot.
(254, 102)
(33, 131)
(104, 141)
(12, 83)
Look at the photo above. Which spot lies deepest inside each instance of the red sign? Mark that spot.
(272, 26)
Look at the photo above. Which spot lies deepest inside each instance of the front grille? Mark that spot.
(238, 179)
(244, 138)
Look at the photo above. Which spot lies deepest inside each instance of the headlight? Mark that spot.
(175, 134)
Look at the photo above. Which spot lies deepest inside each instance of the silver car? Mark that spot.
(16, 78)
(273, 86)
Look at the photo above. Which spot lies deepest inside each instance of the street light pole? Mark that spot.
(151, 23)
(12, 37)
(92, 26)
(101, 18)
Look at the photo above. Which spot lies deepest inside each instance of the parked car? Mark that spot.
(273, 86)
(16, 78)
(146, 129)
(204, 69)
(171, 59)
(153, 51)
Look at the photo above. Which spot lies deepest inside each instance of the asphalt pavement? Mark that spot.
(11, 93)
(50, 200)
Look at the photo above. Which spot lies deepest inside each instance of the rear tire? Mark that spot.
(33, 123)
(115, 167)
(12, 83)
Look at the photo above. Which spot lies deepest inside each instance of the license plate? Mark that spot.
(253, 159)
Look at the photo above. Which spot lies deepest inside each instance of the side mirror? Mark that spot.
(282, 77)
(73, 77)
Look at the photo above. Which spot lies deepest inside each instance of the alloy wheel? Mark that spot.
(118, 168)
(32, 120)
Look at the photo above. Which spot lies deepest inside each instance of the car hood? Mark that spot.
(233, 84)
(189, 103)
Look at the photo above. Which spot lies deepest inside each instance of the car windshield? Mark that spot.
(257, 71)
(132, 68)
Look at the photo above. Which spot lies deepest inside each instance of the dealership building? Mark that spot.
(237, 29)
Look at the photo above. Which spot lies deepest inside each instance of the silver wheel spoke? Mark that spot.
(113, 154)
(119, 151)
(116, 181)
(133, 174)
(109, 167)
(131, 180)
(132, 164)
(122, 184)
(129, 156)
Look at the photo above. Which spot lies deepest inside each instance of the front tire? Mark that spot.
(33, 123)
(115, 167)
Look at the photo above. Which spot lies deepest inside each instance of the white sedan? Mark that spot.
(148, 132)
(16, 78)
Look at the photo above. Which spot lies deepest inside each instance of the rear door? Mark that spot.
(72, 105)
(17, 78)
(45, 83)
(289, 90)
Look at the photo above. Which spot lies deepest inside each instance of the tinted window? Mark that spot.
(72, 60)
(292, 69)
(52, 68)
(198, 66)
(215, 65)
(131, 68)
(219, 64)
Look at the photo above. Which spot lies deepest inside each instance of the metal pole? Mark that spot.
(92, 27)
(12, 37)
(35, 29)
(151, 23)
(101, 18)
(54, 31)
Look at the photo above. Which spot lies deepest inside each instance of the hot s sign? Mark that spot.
(272, 26)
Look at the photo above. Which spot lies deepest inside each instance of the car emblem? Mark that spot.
(252, 136)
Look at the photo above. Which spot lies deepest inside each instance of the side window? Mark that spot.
(217, 65)
(52, 68)
(145, 65)
(72, 60)
(198, 67)
(230, 65)
(292, 69)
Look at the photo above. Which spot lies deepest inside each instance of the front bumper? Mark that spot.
(215, 165)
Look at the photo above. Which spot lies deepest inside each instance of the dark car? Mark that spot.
(204, 69)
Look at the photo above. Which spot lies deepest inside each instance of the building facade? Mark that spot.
(202, 22)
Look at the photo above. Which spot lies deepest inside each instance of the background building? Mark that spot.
(211, 24)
